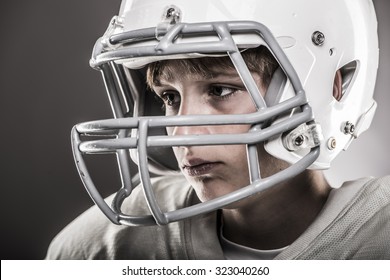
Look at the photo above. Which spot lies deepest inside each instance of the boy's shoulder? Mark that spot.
(93, 236)
(354, 224)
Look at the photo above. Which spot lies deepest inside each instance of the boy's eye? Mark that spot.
(170, 98)
(222, 90)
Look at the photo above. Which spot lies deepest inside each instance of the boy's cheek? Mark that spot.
(169, 130)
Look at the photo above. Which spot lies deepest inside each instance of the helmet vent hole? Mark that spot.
(332, 51)
(348, 72)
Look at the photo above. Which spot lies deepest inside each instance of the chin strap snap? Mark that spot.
(362, 124)
(304, 136)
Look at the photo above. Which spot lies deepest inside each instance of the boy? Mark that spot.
(249, 146)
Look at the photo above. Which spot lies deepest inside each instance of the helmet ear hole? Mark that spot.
(337, 86)
(347, 74)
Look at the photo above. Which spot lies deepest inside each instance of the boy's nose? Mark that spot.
(190, 130)
(192, 107)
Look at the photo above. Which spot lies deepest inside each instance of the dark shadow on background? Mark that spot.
(46, 87)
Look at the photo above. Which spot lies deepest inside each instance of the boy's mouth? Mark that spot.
(197, 167)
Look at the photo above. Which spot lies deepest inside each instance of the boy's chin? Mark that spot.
(210, 189)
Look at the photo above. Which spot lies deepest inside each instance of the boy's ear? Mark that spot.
(337, 86)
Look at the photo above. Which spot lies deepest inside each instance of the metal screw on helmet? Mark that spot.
(299, 140)
(318, 38)
(349, 128)
(172, 14)
(170, 17)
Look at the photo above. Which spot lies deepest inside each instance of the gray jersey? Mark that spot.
(354, 224)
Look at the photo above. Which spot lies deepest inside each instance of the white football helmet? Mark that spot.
(299, 120)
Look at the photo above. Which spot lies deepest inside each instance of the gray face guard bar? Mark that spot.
(122, 46)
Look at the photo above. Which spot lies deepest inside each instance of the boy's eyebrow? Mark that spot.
(231, 73)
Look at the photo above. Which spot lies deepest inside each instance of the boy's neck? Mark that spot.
(277, 217)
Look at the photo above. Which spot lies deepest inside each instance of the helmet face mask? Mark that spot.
(284, 119)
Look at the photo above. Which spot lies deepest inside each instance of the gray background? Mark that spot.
(47, 86)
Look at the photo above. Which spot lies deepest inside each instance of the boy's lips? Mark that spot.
(197, 167)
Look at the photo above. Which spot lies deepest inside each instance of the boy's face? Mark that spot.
(211, 170)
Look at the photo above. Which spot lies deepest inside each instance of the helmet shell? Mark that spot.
(350, 43)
